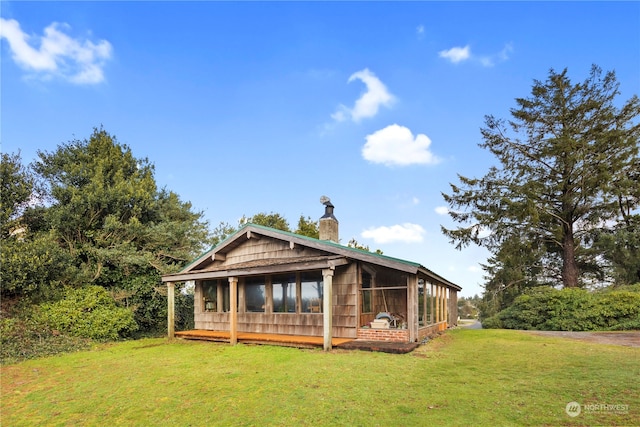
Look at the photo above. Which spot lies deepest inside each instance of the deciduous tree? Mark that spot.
(16, 188)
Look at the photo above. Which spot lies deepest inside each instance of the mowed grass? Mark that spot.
(463, 378)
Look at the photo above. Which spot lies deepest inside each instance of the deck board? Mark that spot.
(251, 337)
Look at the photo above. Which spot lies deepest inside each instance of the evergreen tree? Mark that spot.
(308, 227)
(566, 159)
(121, 230)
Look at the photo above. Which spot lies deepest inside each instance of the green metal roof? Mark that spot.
(333, 244)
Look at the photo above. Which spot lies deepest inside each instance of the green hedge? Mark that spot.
(88, 312)
(549, 309)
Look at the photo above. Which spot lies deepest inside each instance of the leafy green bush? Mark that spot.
(88, 312)
(546, 308)
(492, 322)
(25, 338)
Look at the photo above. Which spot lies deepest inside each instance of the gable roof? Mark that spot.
(333, 250)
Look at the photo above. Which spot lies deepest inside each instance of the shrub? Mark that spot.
(546, 308)
(492, 322)
(25, 338)
(88, 312)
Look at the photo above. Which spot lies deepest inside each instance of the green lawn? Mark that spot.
(464, 378)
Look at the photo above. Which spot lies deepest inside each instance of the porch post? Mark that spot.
(438, 303)
(446, 306)
(431, 304)
(327, 307)
(233, 310)
(171, 289)
(453, 301)
(412, 307)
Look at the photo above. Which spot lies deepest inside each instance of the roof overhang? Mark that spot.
(248, 269)
(336, 255)
(430, 274)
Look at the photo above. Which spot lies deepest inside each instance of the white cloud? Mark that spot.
(474, 268)
(442, 210)
(420, 31)
(503, 55)
(368, 104)
(456, 54)
(58, 55)
(459, 54)
(396, 145)
(406, 233)
(415, 201)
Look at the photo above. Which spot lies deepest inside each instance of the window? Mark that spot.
(284, 293)
(254, 294)
(311, 287)
(226, 297)
(210, 295)
(366, 292)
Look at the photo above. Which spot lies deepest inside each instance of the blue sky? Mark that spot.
(248, 107)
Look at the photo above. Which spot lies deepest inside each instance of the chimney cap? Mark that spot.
(328, 208)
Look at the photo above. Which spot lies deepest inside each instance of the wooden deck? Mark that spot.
(303, 341)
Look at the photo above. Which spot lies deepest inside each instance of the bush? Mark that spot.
(546, 308)
(88, 312)
(25, 338)
(492, 322)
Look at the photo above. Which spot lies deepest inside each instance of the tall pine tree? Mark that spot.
(567, 159)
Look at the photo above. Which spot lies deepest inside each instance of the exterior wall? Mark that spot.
(395, 335)
(344, 313)
(345, 301)
(453, 308)
(265, 248)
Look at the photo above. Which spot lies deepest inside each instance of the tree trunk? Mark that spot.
(569, 266)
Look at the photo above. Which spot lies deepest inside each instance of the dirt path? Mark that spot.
(626, 338)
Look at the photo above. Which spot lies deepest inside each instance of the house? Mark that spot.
(267, 281)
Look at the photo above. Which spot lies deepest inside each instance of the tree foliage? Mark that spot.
(566, 164)
(621, 250)
(105, 224)
(308, 227)
(34, 266)
(273, 220)
(107, 211)
(16, 189)
(353, 243)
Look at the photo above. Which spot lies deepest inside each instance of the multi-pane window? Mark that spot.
(425, 303)
(366, 293)
(311, 288)
(210, 295)
(284, 293)
(254, 294)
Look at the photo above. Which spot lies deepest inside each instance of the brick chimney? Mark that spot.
(328, 222)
